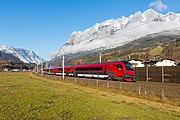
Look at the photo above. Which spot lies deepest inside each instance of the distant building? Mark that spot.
(15, 70)
(158, 46)
(165, 62)
(136, 63)
(150, 62)
(6, 69)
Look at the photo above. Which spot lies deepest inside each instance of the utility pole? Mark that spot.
(46, 64)
(37, 67)
(42, 68)
(147, 76)
(100, 57)
(63, 64)
(162, 74)
(49, 65)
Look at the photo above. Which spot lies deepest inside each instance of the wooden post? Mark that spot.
(108, 84)
(139, 90)
(97, 83)
(162, 74)
(163, 93)
(147, 74)
(120, 85)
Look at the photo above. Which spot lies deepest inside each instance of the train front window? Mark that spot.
(128, 65)
(119, 66)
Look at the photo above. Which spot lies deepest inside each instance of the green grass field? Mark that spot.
(156, 51)
(25, 96)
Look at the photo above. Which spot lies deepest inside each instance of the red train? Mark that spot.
(120, 70)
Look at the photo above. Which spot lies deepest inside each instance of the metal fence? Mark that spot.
(162, 90)
(166, 74)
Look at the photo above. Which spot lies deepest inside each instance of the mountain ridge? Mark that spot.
(26, 56)
(117, 32)
(7, 56)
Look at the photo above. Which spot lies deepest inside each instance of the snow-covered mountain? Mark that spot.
(26, 56)
(117, 32)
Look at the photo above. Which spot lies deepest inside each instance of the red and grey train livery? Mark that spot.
(119, 70)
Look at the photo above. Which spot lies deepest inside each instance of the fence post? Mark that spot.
(108, 84)
(120, 85)
(145, 92)
(147, 74)
(139, 90)
(75, 80)
(97, 83)
(162, 74)
(163, 93)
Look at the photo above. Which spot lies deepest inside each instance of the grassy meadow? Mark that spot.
(25, 96)
(156, 51)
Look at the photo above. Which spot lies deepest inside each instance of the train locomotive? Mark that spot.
(119, 70)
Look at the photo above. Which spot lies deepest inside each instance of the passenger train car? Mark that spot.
(119, 70)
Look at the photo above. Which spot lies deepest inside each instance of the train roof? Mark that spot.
(90, 64)
(61, 66)
(99, 64)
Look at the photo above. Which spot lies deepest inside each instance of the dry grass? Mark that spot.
(156, 51)
(24, 96)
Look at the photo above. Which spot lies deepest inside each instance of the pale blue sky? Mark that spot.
(44, 25)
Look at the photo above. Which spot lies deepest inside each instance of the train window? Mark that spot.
(119, 66)
(89, 69)
(128, 65)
